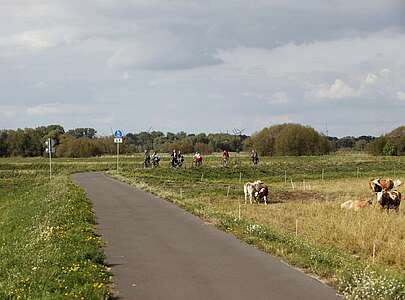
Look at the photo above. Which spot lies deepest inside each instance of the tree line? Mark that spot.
(391, 144)
(283, 139)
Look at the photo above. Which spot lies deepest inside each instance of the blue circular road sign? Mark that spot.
(118, 134)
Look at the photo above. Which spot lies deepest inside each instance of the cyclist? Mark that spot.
(225, 156)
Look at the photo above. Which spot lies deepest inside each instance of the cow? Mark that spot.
(389, 200)
(378, 184)
(257, 190)
(262, 194)
(355, 204)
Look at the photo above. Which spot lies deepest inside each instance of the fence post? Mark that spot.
(239, 209)
(240, 177)
(373, 251)
(292, 184)
(296, 227)
(227, 193)
(202, 176)
(285, 177)
(323, 174)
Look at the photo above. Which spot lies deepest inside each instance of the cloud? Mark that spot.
(342, 55)
(401, 95)
(38, 40)
(8, 111)
(370, 85)
(145, 51)
(58, 109)
(197, 59)
(278, 98)
(338, 90)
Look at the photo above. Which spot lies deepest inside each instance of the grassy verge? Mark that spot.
(48, 246)
(332, 244)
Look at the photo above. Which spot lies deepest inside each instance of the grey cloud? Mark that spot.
(199, 65)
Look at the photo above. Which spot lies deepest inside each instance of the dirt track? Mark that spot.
(158, 251)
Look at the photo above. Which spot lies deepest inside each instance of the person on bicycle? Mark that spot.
(155, 159)
(146, 159)
(254, 157)
(225, 156)
(173, 158)
(180, 159)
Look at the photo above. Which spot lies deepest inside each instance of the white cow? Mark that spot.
(251, 188)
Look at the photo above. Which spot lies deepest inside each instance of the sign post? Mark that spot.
(118, 140)
(50, 143)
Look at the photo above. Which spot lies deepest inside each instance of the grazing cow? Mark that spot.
(251, 188)
(378, 184)
(355, 204)
(389, 200)
(262, 194)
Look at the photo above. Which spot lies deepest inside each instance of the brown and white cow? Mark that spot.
(256, 190)
(262, 194)
(389, 200)
(378, 184)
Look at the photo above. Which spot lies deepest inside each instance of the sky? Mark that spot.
(203, 66)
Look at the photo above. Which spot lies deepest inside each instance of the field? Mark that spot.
(361, 253)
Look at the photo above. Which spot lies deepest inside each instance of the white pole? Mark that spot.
(240, 177)
(373, 252)
(227, 193)
(292, 184)
(50, 158)
(238, 209)
(118, 153)
(285, 177)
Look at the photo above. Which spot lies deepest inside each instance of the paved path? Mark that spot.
(158, 251)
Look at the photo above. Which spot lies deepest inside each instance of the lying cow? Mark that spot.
(378, 184)
(389, 200)
(257, 190)
(355, 204)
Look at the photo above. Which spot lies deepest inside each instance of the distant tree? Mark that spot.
(398, 132)
(3, 143)
(290, 139)
(171, 136)
(376, 147)
(392, 143)
(390, 149)
(184, 145)
(83, 132)
(203, 148)
(201, 138)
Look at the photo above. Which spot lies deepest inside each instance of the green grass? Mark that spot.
(51, 247)
(48, 246)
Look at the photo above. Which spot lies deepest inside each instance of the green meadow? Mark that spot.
(51, 250)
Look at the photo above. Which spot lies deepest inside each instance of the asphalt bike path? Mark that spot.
(156, 251)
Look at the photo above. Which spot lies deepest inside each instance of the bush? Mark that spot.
(390, 149)
(289, 139)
